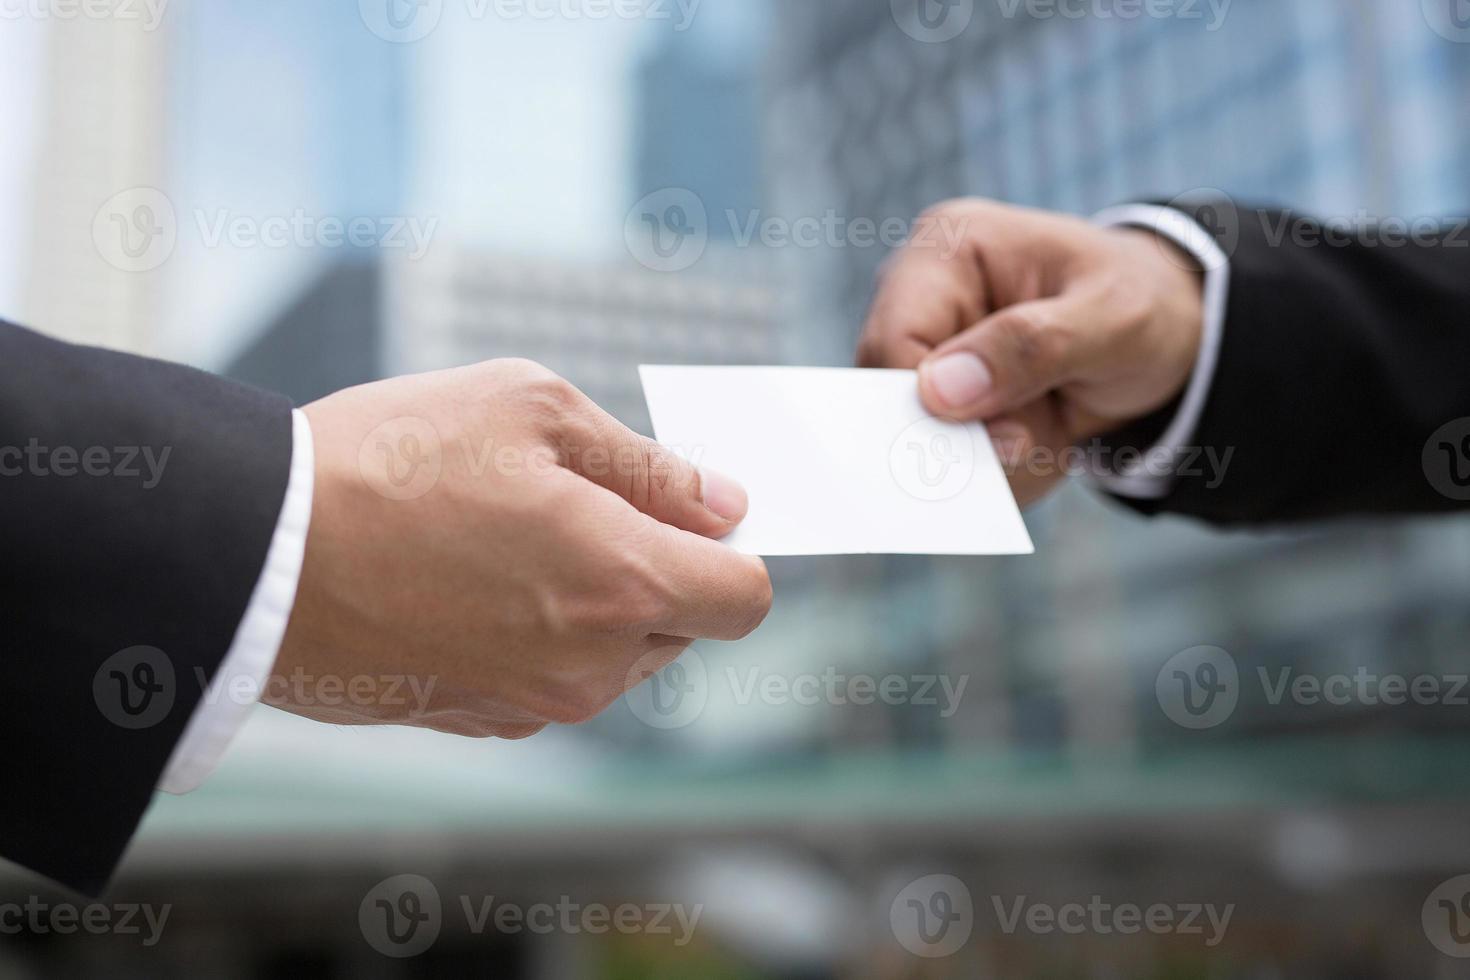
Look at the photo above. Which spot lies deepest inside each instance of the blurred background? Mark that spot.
(598, 184)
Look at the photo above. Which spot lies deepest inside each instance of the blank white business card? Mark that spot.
(838, 462)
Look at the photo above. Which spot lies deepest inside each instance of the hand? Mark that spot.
(546, 559)
(1048, 328)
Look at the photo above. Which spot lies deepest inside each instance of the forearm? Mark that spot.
(139, 500)
(1341, 356)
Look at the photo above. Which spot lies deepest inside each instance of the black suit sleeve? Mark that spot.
(137, 503)
(1344, 357)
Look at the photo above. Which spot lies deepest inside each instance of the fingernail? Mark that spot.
(959, 380)
(723, 496)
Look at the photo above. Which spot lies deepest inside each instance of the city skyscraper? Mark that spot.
(99, 134)
(280, 111)
(1351, 110)
(699, 114)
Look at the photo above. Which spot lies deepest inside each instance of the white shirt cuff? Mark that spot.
(1152, 476)
(241, 677)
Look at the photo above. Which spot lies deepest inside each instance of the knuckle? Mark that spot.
(957, 219)
(642, 610)
(658, 474)
(954, 207)
(1128, 299)
(1036, 340)
(634, 606)
(519, 369)
(549, 398)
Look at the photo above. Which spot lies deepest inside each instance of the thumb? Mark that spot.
(1007, 360)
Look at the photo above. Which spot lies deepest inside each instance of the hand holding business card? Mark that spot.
(838, 462)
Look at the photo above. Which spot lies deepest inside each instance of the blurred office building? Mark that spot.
(770, 786)
(162, 127)
(591, 322)
(698, 107)
(98, 145)
(283, 116)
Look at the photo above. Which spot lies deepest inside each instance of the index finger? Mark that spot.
(926, 294)
(714, 592)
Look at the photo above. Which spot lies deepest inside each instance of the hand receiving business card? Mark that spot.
(838, 462)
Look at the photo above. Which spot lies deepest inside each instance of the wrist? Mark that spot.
(1174, 328)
